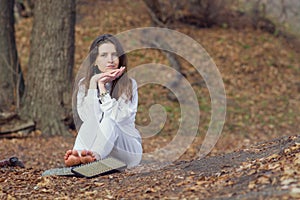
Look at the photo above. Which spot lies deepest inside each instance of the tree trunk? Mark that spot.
(10, 76)
(49, 80)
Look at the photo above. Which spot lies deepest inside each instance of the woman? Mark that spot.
(106, 102)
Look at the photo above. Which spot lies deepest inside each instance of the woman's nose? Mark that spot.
(110, 58)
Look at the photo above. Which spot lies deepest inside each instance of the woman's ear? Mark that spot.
(96, 70)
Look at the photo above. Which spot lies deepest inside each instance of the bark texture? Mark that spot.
(49, 79)
(10, 76)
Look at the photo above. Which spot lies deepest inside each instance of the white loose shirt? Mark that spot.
(108, 127)
(120, 111)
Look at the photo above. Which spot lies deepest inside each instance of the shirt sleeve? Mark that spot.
(121, 111)
(88, 106)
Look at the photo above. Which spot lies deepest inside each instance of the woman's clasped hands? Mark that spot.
(106, 77)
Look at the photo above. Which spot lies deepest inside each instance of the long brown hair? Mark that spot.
(121, 85)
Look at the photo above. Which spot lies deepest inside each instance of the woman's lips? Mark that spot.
(111, 66)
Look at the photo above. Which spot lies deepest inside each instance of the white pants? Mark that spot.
(106, 139)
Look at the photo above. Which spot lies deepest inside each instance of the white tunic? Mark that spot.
(108, 127)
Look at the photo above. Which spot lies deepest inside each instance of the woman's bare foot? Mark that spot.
(72, 158)
(87, 156)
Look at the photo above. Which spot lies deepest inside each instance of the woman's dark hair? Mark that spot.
(121, 85)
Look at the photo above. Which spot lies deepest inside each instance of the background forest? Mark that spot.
(255, 45)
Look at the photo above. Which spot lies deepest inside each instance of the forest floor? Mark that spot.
(268, 170)
(256, 157)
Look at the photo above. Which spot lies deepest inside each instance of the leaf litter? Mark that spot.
(261, 77)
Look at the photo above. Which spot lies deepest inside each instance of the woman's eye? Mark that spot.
(103, 55)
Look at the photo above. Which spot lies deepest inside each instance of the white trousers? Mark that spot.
(106, 139)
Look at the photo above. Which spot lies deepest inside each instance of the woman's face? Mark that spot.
(107, 58)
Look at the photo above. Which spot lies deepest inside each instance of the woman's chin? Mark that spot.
(108, 69)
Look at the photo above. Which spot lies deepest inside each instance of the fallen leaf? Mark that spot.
(295, 192)
(251, 185)
(99, 184)
(263, 180)
(288, 181)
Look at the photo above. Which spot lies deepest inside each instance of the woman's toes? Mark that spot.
(72, 161)
(75, 153)
(89, 153)
(83, 153)
(92, 155)
(72, 158)
(87, 159)
(68, 153)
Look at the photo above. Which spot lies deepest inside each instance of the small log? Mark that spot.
(6, 116)
(17, 126)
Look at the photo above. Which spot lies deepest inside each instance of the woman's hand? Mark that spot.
(111, 75)
(105, 77)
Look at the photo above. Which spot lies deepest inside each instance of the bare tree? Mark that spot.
(49, 79)
(11, 79)
(202, 13)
